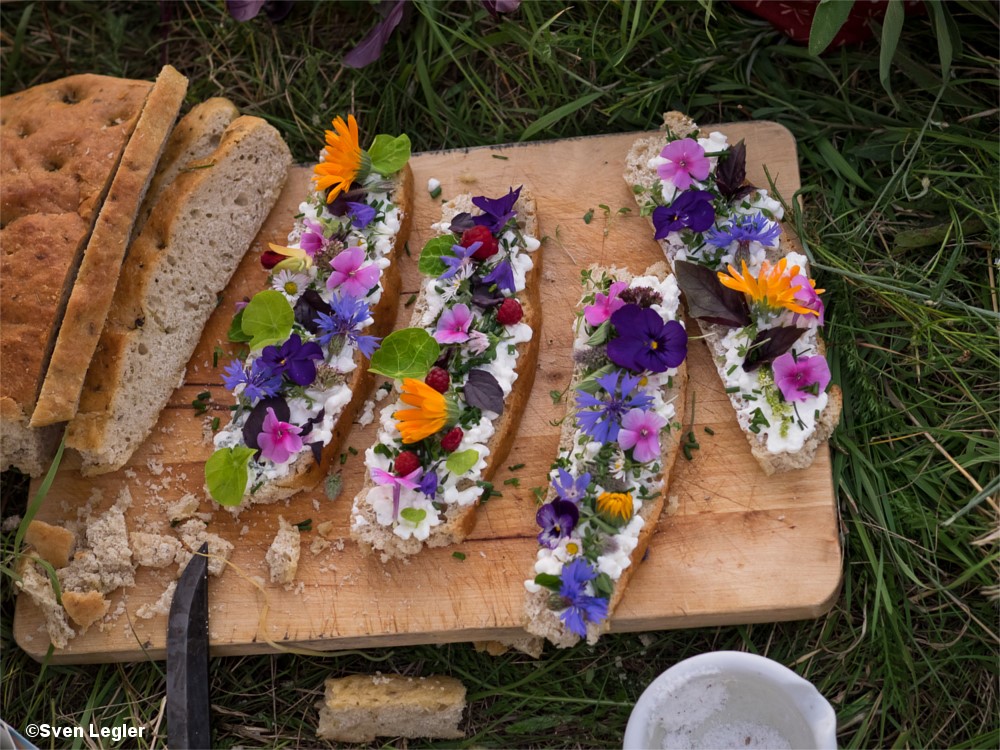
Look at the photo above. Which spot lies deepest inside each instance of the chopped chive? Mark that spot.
(352, 450)
(458, 555)
(343, 459)
(513, 482)
(709, 430)
(306, 525)
(436, 192)
(215, 424)
(515, 467)
(412, 298)
(732, 389)
(502, 158)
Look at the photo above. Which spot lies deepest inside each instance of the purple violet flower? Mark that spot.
(497, 211)
(601, 418)
(347, 314)
(744, 230)
(801, 378)
(692, 210)
(580, 607)
(461, 261)
(361, 214)
(569, 488)
(645, 342)
(293, 359)
(557, 520)
(502, 275)
(641, 431)
(260, 382)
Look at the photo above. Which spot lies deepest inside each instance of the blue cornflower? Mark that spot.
(580, 607)
(502, 275)
(460, 261)
(260, 382)
(569, 488)
(601, 418)
(746, 229)
(347, 314)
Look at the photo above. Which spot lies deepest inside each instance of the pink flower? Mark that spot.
(685, 159)
(350, 272)
(807, 296)
(604, 304)
(411, 481)
(479, 342)
(313, 241)
(802, 378)
(278, 440)
(641, 430)
(453, 325)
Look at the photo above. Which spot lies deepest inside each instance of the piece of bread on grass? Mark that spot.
(617, 449)
(183, 259)
(360, 708)
(62, 142)
(477, 332)
(784, 426)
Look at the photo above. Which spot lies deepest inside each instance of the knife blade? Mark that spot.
(187, 659)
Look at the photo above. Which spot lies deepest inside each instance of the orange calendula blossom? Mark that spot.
(772, 288)
(432, 412)
(344, 161)
(615, 505)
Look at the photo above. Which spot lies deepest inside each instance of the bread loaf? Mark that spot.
(183, 259)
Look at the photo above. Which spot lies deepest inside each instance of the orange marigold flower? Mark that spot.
(432, 412)
(344, 161)
(771, 290)
(615, 505)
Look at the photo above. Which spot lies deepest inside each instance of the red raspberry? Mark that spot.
(406, 463)
(452, 440)
(489, 247)
(509, 312)
(438, 379)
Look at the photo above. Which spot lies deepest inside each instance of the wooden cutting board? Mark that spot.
(736, 546)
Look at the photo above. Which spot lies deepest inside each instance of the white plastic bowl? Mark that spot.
(731, 699)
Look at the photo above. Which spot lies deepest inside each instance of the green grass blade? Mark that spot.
(830, 16)
(548, 120)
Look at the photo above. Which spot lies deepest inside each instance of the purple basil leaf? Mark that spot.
(743, 192)
(732, 171)
(310, 423)
(482, 390)
(482, 296)
(255, 422)
(707, 299)
(277, 10)
(244, 10)
(370, 48)
(769, 345)
(317, 451)
(461, 222)
(308, 307)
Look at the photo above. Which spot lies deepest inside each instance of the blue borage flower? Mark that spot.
(745, 229)
(347, 314)
(581, 608)
(600, 418)
(260, 382)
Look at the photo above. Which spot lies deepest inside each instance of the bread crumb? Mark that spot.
(10, 523)
(161, 606)
(154, 550)
(182, 509)
(283, 554)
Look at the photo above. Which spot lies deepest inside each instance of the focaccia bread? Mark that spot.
(467, 364)
(617, 450)
(750, 289)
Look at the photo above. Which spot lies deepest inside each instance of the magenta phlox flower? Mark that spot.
(556, 519)
(351, 273)
(453, 325)
(581, 608)
(690, 210)
(605, 304)
(278, 440)
(570, 488)
(806, 296)
(801, 378)
(641, 432)
(410, 481)
(685, 160)
(644, 342)
(600, 418)
(313, 240)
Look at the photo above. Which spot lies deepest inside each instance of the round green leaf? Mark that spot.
(460, 462)
(430, 263)
(408, 353)
(268, 319)
(388, 154)
(226, 474)
(413, 515)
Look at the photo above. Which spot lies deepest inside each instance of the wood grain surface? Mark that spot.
(734, 547)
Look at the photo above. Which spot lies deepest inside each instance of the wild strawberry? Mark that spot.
(406, 463)
(489, 247)
(438, 379)
(452, 440)
(509, 312)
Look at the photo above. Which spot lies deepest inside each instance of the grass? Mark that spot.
(899, 215)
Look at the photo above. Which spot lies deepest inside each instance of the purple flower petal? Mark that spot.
(361, 214)
(244, 10)
(498, 211)
(369, 49)
(502, 275)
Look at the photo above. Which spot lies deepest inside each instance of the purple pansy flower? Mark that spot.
(685, 160)
(744, 230)
(361, 214)
(569, 488)
(692, 210)
(453, 325)
(411, 482)
(260, 382)
(293, 359)
(645, 342)
(601, 418)
(801, 378)
(502, 275)
(347, 314)
(605, 304)
(278, 440)
(557, 520)
(497, 211)
(581, 608)
(806, 296)
(313, 240)
(351, 273)
(641, 431)
(461, 261)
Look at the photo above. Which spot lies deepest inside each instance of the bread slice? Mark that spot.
(541, 619)
(90, 299)
(770, 448)
(360, 708)
(62, 142)
(457, 518)
(183, 259)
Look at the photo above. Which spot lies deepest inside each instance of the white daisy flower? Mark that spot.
(291, 284)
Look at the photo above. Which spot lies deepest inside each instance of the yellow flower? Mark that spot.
(296, 259)
(615, 505)
(432, 411)
(771, 290)
(344, 161)
(572, 548)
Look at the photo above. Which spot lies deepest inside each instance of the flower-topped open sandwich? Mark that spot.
(463, 372)
(331, 294)
(756, 304)
(618, 445)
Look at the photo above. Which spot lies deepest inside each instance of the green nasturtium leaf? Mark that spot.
(388, 154)
(268, 319)
(413, 515)
(460, 462)
(236, 334)
(226, 474)
(549, 581)
(408, 353)
(430, 263)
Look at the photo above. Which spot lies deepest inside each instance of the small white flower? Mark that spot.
(478, 342)
(290, 283)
